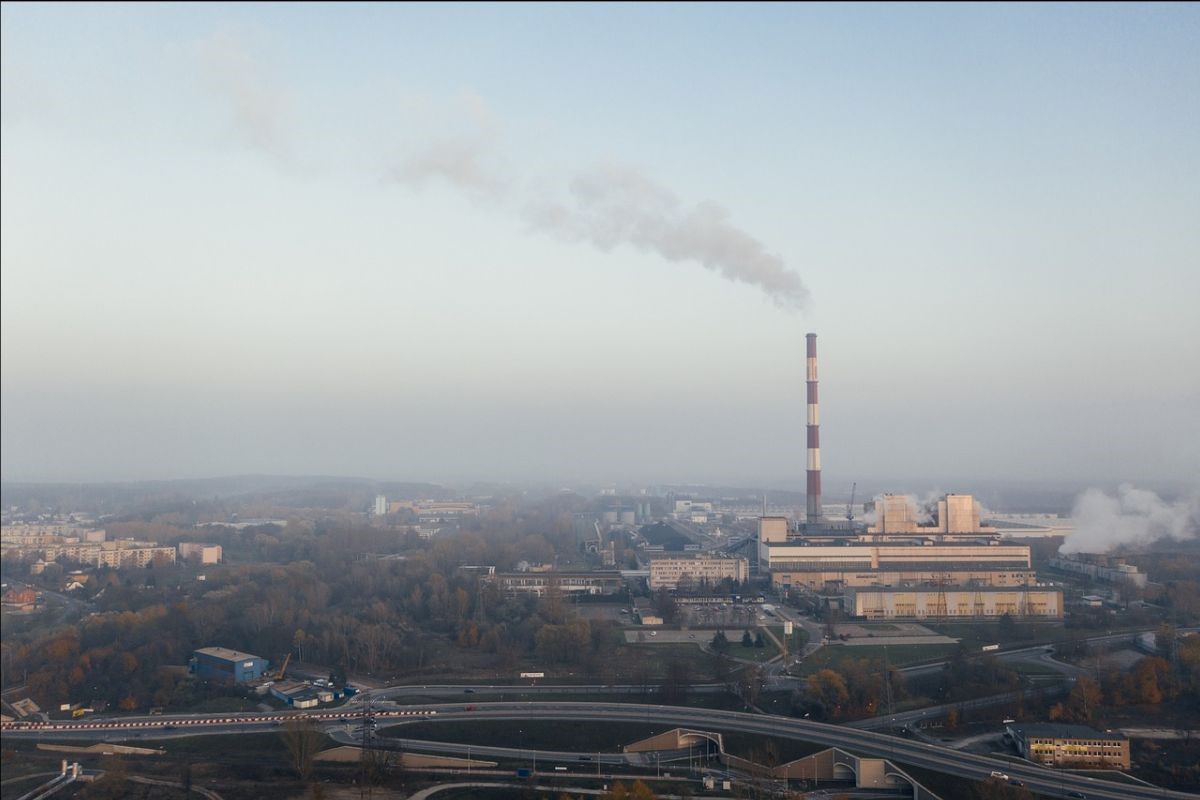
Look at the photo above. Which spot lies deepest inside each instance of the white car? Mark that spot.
(999, 775)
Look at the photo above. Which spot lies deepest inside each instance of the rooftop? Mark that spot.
(226, 653)
(1053, 730)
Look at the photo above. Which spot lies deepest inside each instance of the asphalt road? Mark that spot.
(935, 757)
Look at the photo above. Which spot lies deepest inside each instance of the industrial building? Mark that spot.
(935, 557)
(1070, 746)
(900, 517)
(795, 563)
(932, 602)
(538, 583)
(668, 572)
(1100, 568)
(229, 666)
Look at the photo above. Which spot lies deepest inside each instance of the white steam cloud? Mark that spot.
(1133, 517)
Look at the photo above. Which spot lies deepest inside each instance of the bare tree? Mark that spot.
(303, 740)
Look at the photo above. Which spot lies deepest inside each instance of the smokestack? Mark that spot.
(814, 434)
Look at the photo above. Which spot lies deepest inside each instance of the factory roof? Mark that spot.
(933, 587)
(1053, 730)
(226, 654)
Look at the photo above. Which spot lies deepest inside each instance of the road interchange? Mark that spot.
(930, 756)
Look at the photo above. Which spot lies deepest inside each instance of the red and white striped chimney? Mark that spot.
(814, 434)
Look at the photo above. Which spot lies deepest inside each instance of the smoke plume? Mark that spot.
(258, 106)
(612, 206)
(459, 162)
(1133, 517)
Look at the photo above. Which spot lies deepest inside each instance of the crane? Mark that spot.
(850, 505)
(283, 669)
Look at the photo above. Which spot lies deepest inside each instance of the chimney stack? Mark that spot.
(814, 435)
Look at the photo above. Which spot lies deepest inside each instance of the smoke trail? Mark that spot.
(611, 206)
(459, 162)
(258, 107)
(1133, 517)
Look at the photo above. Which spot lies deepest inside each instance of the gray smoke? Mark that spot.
(258, 106)
(613, 206)
(459, 163)
(1132, 517)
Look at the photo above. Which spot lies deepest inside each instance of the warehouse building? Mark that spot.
(229, 666)
(668, 572)
(940, 602)
(1071, 746)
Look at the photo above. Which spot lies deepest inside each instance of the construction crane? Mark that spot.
(283, 669)
(850, 505)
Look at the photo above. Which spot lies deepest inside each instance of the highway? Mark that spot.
(935, 757)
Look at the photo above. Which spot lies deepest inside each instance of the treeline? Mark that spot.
(327, 605)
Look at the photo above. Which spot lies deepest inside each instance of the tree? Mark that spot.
(303, 741)
(720, 642)
(758, 639)
(1086, 696)
(747, 639)
(829, 689)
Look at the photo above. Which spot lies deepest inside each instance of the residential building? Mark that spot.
(200, 553)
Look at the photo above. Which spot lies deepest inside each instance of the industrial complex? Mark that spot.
(909, 561)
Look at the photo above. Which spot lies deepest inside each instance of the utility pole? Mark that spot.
(365, 755)
(887, 681)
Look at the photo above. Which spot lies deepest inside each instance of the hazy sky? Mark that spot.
(566, 243)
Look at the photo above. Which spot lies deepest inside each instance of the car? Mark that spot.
(1015, 782)
(1000, 775)
(1079, 795)
(468, 691)
(585, 758)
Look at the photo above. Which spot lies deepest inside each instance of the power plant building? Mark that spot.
(668, 572)
(932, 602)
(907, 549)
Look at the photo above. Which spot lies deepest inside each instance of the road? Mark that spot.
(929, 756)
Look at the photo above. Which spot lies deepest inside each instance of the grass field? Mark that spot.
(635, 661)
(897, 655)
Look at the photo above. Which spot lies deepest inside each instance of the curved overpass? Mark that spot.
(934, 757)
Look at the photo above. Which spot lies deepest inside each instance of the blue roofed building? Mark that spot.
(228, 666)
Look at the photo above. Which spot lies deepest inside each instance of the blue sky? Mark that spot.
(307, 238)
